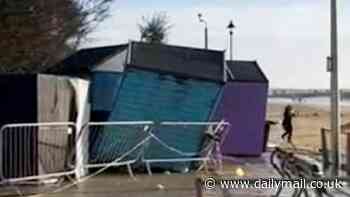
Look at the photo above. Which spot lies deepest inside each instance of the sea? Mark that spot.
(312, 101)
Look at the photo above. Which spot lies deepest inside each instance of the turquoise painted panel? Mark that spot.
(110, 143)
(104, 89)
(151, 96)
(103, 93)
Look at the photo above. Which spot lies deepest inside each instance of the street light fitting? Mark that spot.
(231, 25)
(201, 20)
(200, 17)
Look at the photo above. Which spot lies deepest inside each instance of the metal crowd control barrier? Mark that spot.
(171, 138)
(48, 150)
(108, 144)
(35, 151)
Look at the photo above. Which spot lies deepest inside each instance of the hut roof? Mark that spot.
(84, 60)
(245, 71)
(180, 61)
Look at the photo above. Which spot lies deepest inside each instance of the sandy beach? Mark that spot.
(307, 124)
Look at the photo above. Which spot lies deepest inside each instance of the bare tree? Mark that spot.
(37, 33)
(155, 29)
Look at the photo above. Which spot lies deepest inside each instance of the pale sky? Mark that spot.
(290, 39)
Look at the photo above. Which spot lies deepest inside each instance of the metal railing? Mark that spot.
(109, 144)
(174, 139)
(35, 151)
(40, 151)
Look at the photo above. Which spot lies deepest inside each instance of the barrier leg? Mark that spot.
(148, 166)
(131, 173)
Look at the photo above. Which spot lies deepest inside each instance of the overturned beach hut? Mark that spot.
(146, 75)
(154, 82)
(243, 103)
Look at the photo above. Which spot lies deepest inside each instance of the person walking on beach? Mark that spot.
(287, 123)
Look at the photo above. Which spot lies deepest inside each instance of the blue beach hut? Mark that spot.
(140, 81)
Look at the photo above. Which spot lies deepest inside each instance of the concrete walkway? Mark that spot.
(162, 185)
(167, 185)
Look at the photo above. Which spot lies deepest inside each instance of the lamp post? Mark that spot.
(231, 26)
(201, 20)
(335, 111)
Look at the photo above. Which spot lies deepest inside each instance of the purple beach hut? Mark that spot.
(243, 103)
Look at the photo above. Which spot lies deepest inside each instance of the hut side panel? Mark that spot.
(103, 94)
(56, 103)
(18, 104)
(244, 106)
(146, 95)
(151, 96)
(18, 100)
